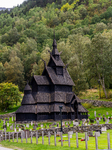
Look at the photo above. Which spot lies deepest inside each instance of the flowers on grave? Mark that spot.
(57, 135)
(82, 139)
(60, 140)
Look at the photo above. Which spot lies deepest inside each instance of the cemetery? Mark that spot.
(80, 134)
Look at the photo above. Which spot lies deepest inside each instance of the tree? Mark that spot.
(14, 71)
(9, 95)
(98, 60)
(1, 72)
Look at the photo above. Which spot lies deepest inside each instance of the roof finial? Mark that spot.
(54, 34)
(27, 81)
(66, 66)
(44, 63)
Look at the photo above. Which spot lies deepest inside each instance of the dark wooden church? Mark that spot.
(49, 91)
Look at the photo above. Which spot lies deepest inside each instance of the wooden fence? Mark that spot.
(15, 135)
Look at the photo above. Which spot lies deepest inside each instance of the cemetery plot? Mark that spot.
(102, 140)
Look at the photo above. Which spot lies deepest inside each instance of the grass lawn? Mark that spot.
(102, 143)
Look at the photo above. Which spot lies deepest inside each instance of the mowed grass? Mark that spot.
(102, 142)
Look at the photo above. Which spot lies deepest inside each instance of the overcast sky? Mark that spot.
(10, 3)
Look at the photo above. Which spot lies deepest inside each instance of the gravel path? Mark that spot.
(3, 148)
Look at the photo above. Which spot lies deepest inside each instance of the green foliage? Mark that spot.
(9, 95)
(28, 30)
(87, 105)
(95, 19)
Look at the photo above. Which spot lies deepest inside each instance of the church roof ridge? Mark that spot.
(27, 87)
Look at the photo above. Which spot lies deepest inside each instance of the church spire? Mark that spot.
(55, 51)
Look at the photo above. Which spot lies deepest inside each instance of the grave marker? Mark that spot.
(37, 137)
(49, 137)
(77, 140)
(68, 139)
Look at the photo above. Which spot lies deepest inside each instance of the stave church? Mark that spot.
(47, 92)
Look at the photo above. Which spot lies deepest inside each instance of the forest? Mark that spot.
(83, 31)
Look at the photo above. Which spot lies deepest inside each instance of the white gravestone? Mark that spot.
(70, 133)
(97, 134)
(94, 113)
(103, 129)
(75, 123)
(27, 125)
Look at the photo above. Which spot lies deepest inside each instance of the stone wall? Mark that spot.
(65, 130)
(7, 115)
(97, 102)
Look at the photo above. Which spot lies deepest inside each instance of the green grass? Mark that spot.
(93, 94)
(10, 111)
(102, 143)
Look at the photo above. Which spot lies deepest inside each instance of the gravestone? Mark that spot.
(31, 123)
(27, 125)
(22, 134)
(70, 133)
(34, 127)
(107, 113)
(90, 133)
(75, 123)
(15, 125)
(63, 124)
(41, 125)
(11, 127)
(97, 134)
(7, 124)
(94, 113)
(12, 118)
(88, 121)
(103, 129)
(107, 121)
(97, 122)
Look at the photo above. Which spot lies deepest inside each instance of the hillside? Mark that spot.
(83, 30)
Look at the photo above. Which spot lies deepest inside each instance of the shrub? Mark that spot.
(87, 105)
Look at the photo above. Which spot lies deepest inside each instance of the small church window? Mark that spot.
(59, 71)
(57, 57)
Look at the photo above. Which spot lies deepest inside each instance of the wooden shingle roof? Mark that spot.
(64, 79)
(41, 80)
(55, 108)
(42, 97)
(28, 99)
(43, 108)
(26, 109)
(82, 109)
(57, 62)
